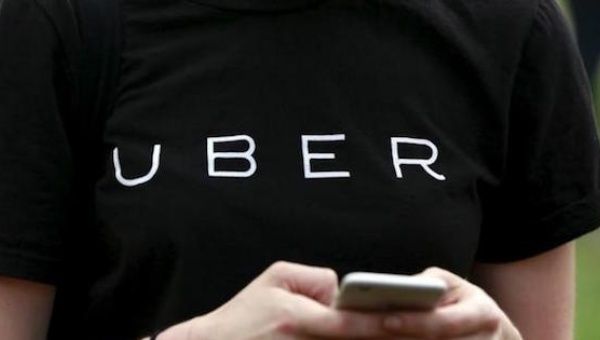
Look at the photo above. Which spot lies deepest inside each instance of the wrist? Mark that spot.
(178, 331)
(509, 331)
(201, 328)
(193, 329)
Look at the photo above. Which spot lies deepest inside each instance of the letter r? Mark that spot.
(424, 163)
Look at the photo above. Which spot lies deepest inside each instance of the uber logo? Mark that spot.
(247, 154)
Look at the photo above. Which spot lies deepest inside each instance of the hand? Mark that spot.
(287, 301)
(465, 313)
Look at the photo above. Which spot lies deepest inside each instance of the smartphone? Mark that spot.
(387, 292)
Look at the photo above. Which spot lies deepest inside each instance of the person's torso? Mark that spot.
(357, 135)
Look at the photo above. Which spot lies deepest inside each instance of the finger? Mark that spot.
(450, 278)
(480, 336)
(312, 318)
(336, 338)
(305, 337)
(457, 287)
(318, 283)
(461, 319)
(300, 337)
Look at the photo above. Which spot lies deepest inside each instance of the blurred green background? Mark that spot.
(587, 321)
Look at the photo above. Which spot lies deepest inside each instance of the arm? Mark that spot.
(25, 309)
(530, 299)
(537, 293)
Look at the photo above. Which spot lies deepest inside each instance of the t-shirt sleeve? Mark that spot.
(549, 193)
(35, 162)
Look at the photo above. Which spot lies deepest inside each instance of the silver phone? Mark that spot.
(385, 292)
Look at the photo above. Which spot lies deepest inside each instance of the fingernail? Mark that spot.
(393, 322)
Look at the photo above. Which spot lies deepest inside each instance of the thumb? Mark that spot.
(456, 285)
(317, 283)
(451, 279)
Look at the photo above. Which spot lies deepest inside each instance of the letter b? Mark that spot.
(247, 155)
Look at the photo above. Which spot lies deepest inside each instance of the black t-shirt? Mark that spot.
(361, 135)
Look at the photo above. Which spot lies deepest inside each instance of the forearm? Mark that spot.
(25, 309)
(179, 331)
(193, 329)
(537, 293)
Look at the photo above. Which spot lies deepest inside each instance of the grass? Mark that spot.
(596, 87)
(587, 317)
(587, 320)
(565, 5)
(587, 313)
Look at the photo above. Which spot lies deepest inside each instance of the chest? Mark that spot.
(325, 136)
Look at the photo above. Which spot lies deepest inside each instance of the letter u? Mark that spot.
(138, 180)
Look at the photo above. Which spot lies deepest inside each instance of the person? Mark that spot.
(256, 150)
